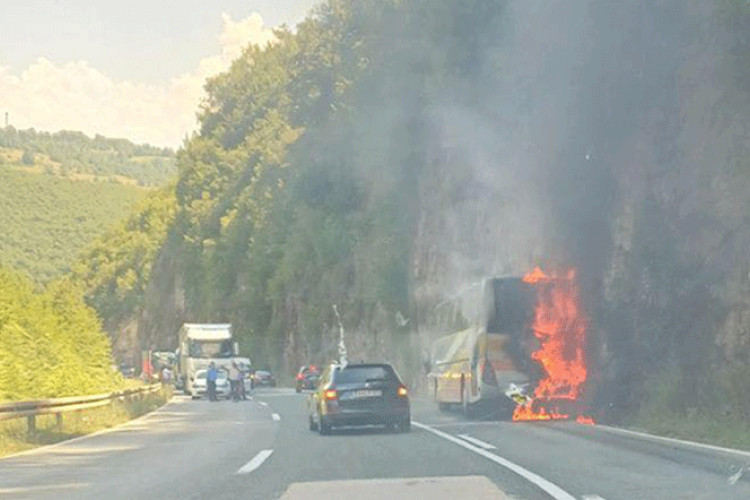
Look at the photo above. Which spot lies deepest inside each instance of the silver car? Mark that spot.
(222, 384)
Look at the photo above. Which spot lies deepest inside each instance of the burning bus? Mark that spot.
(517, 347)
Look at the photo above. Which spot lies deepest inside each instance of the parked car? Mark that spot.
(307, 377)
(222, 385)
(127, 370)
(359, 394)
(263, 378)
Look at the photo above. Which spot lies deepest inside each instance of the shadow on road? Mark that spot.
(362, 431)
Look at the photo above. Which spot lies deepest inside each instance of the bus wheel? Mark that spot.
(466, 407)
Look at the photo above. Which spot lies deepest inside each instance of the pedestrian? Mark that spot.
(166, 375)
(211, 377)
(244, 370)
(234, 381)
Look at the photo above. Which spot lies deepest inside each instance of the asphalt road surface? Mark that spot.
(262, 449)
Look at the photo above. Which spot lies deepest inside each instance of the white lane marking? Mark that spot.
(438, 425)
(276, 417)
(478, 442)
(263, 403)
(550, 488)
(256, 462)
(592, 497)
(652, 437)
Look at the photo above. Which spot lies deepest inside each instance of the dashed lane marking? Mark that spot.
(256, 462)
(478, 442)
(548, 487)
(276, 417)
(263, 403)
(591, 497)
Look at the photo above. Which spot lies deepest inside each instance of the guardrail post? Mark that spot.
(31, 422)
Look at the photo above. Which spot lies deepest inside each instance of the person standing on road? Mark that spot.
(243, 376)
(166, 375)
(211, 377)
(234, 381)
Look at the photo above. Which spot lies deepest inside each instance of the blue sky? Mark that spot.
(124, 68)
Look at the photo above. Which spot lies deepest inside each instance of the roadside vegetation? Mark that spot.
(51, 343)
(717, 415)
(14, 435)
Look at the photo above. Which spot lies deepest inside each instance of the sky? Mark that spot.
(132, 69)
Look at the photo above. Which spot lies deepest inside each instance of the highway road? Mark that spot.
(262, 449)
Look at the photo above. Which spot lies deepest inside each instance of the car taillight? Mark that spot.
(402, 392)
(331, 394)
(300, 376)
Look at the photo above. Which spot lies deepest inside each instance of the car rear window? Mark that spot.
(353, 374)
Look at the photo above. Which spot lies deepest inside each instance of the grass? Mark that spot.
(715, 428)
(14, 435)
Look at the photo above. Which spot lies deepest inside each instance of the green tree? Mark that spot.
(28, 157)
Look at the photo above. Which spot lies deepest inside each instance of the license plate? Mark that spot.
(368, 393)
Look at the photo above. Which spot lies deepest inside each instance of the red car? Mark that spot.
(307, 377)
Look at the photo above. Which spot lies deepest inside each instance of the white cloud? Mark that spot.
(75, 96)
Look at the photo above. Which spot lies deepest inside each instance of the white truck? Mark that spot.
(201, 344)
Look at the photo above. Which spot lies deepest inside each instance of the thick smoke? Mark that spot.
(572, 142)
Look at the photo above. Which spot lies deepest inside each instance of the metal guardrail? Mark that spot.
(58, 406)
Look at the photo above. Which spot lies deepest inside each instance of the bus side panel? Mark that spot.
(447, 379)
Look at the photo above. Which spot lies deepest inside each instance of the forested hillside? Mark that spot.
(46, 220)
(389, 152)
(74, 154)
(115, 269)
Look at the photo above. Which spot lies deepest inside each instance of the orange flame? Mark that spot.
(561, 329)
(584, 419)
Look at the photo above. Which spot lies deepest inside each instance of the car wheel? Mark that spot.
(313, 425)
(298, 389)
(324, 427)
(405, 425)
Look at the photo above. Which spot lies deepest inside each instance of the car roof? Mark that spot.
(363, 365)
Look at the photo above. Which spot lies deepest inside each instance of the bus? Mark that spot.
(488, 347)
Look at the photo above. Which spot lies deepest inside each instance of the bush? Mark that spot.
(27, 158)
(51, 343)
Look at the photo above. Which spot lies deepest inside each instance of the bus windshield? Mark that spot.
(211, 349)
